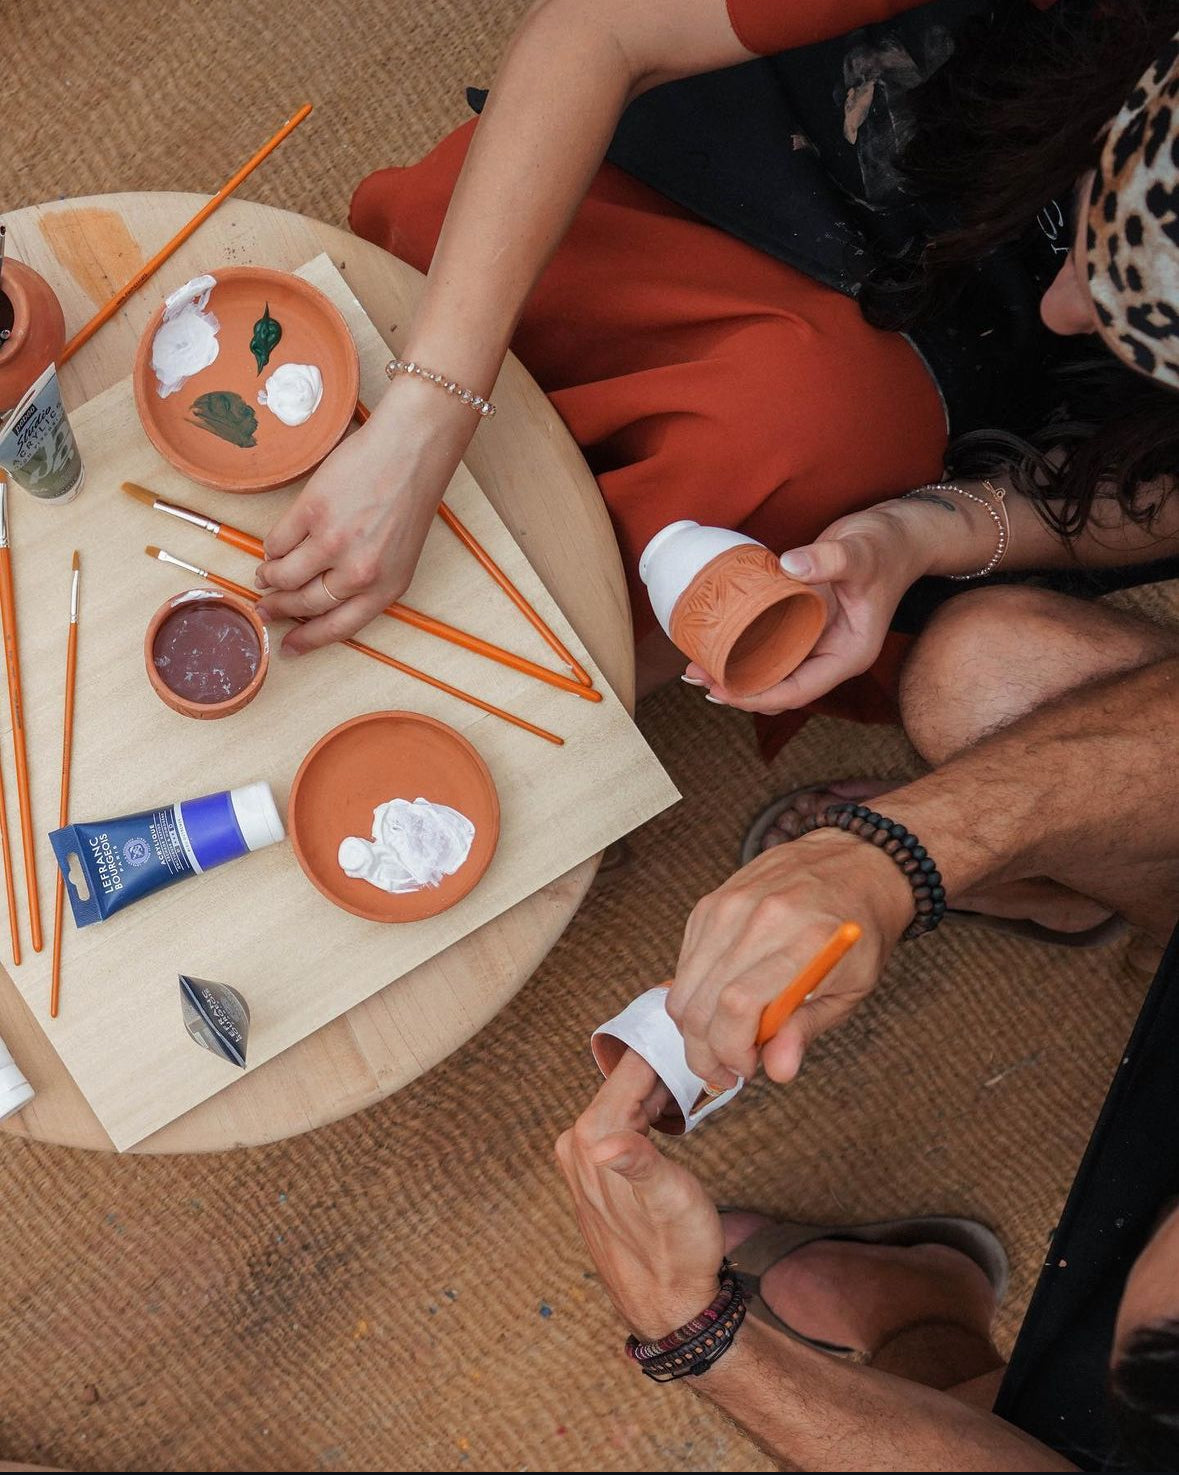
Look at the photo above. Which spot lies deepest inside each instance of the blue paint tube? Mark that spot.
(138, 854)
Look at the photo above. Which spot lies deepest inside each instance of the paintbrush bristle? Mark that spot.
(75, 562)
(152, 552)
(141, 494)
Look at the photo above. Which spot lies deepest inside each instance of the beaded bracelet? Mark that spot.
(1003, 524)
(901, 846)
(692, 1349)
(468, 397)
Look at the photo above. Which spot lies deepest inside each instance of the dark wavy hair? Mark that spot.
(1011, 122)
(1144, 1398)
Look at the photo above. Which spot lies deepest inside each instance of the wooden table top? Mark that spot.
(531, 470)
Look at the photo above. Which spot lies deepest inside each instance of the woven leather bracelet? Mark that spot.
(692, 1349)
(900, 845)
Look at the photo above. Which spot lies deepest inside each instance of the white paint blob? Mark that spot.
(186, 340)
(413, 846)
(293, 392)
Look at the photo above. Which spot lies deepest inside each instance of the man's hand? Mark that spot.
(745, 941)
(653, 1232)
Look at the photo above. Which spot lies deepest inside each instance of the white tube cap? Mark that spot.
(257, 815)
(15, 1091)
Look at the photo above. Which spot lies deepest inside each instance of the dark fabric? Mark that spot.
(1055, 1384)
(786, 153)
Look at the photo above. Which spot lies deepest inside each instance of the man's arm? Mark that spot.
(809, 1411)
(656, 1239)
(1086, 781)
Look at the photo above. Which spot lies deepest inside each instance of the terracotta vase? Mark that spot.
(646, 1027)
(174, 699)
(723, 599)
(38, 330)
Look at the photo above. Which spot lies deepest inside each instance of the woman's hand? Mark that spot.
(359, 524)
(745, 941)
(654, 1234)
(863, 564)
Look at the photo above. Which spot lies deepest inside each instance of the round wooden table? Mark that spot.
(527, 464)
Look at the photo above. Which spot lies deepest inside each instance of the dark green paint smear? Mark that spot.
(267, 332)
(226, 414)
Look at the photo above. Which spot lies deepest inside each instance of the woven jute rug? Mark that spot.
(405, 1290)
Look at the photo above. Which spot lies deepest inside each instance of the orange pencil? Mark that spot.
(106, 312)
(796, 992)
(16, 707)
(248, 543)
(63, 809)
(481, 556)
(368, 650)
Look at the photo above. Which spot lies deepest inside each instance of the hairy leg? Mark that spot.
(991, 656)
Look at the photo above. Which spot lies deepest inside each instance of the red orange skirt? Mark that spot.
(700, 377)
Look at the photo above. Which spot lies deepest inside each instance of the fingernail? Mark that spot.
(288, 652)
(797, 564)
(693, 680)
(260, 580)
(708, 696)
(263, 613)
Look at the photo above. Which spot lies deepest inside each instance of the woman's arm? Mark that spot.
(569, 71)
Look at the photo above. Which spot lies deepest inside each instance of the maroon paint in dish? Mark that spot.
(206, 652)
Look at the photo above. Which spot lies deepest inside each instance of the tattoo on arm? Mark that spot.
(933, 497)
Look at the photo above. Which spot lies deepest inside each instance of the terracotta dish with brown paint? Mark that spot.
(366, 762)
(206, 653)
(313, 332)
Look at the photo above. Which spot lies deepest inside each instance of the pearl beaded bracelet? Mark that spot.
(468, 397)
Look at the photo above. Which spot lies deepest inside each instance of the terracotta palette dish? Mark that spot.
(312, 331)
(206, 653)
(364, 763)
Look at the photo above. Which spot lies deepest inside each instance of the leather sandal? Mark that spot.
(774, 1243)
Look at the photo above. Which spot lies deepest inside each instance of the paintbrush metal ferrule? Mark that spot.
(3, 510)
(185, 515)
(201, 573)
(74, 598)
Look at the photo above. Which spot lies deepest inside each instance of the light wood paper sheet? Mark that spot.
(258, 923)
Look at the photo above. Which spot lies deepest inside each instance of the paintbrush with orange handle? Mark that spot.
(108, 310)
(367, 650)
(248, 543)
(17, 709)
(481, 556)
(67, 751)
(796, 993)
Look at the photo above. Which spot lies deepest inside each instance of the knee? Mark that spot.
(979, 659)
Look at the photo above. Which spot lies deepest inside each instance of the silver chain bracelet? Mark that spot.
(1002, 524)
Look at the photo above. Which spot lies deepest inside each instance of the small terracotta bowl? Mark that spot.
(724, 600)
(363, 763)
(313, 332)
(215, 601)
(38, 330)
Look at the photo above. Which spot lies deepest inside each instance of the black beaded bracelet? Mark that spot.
(692, 1349)
(901, 846)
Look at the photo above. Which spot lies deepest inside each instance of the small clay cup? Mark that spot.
(724, 600)
(646, 1027)
(38, 330)
(206, 710)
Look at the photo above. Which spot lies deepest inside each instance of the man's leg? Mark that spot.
(991, 656)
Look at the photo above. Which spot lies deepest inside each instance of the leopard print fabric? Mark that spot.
(1132, 239)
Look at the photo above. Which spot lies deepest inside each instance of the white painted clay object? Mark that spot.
(673, 558)
(646, 1027)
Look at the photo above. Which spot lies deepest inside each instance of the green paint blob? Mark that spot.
(226, 414)
(267, 332)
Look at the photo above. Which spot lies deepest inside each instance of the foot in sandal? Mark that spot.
(852, 1294)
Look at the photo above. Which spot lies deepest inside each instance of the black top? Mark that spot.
(777, 153)
(1055, 1384)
